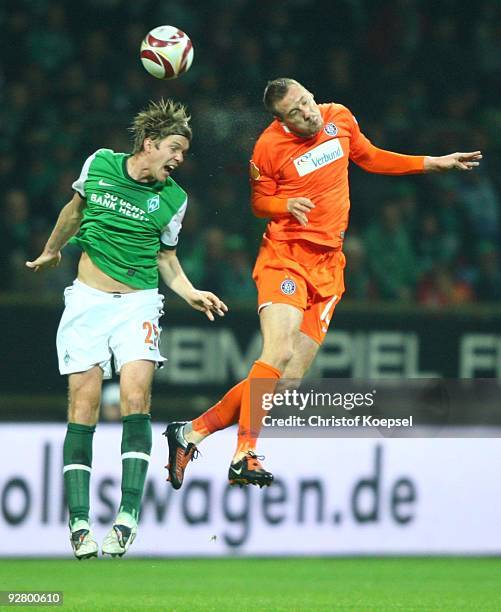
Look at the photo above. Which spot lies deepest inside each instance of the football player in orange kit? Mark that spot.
(299, 180)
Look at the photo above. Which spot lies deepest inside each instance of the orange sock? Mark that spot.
(262, 379)
(221, 415)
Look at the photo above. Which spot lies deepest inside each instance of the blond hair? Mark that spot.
(159, 120)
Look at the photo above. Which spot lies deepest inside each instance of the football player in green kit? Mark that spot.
(125, 214)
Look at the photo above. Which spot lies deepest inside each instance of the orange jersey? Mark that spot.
(284, 166)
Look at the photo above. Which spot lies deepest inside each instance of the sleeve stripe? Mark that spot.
(79, 184)
(170, 233)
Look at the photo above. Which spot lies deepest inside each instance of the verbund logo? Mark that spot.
(319, 157)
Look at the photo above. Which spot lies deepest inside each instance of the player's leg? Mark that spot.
(226, 411)
(314, 327)
(83, 410)
(305, 351)
(316, 319)
(135, 400)
(134, 336)
(279, 347)
(292, 337)
(183, 437)
(277, 287)
(219, 416)
(222, 414)
(282, 297)
(280, 324)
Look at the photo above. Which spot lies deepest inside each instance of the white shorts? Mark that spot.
(97, 326)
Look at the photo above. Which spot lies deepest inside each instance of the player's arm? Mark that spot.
(173, 274)
(265, 204)
(453, 161)
(174, 277)
(380, 161)
(67, 225)
(271, 206)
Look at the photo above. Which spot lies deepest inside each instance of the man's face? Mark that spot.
(165, 156)
(299, 111)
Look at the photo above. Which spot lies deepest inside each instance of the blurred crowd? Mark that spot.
(421, 77)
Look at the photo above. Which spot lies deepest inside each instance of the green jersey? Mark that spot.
(125, 222)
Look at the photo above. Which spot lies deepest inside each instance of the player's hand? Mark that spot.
(45, 260)
(299, 208)
(454, 161)
(207, 302)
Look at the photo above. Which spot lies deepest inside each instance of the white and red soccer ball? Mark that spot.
(166, 52)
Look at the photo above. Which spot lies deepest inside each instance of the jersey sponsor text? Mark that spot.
(318, 157)
(124, 208)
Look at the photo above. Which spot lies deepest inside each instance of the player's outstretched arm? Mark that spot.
(454, 161)
(67, 225)
(174, 277)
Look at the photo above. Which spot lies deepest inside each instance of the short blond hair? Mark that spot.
(159, 120)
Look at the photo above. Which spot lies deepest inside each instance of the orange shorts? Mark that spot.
(302, 274)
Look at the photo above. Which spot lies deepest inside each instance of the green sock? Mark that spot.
(77, 459)
(136, 449)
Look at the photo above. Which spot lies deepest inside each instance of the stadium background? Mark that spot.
(423, 252)
(421, 77)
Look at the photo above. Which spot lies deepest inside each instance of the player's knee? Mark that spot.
(279, 355)
(294, 371)
(285, 356)
(134, 402)
(83, 411)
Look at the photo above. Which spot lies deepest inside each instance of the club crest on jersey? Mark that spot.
(330, 129)
(288, 286)
(153, 203)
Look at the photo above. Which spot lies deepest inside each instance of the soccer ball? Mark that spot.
(166, 52)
